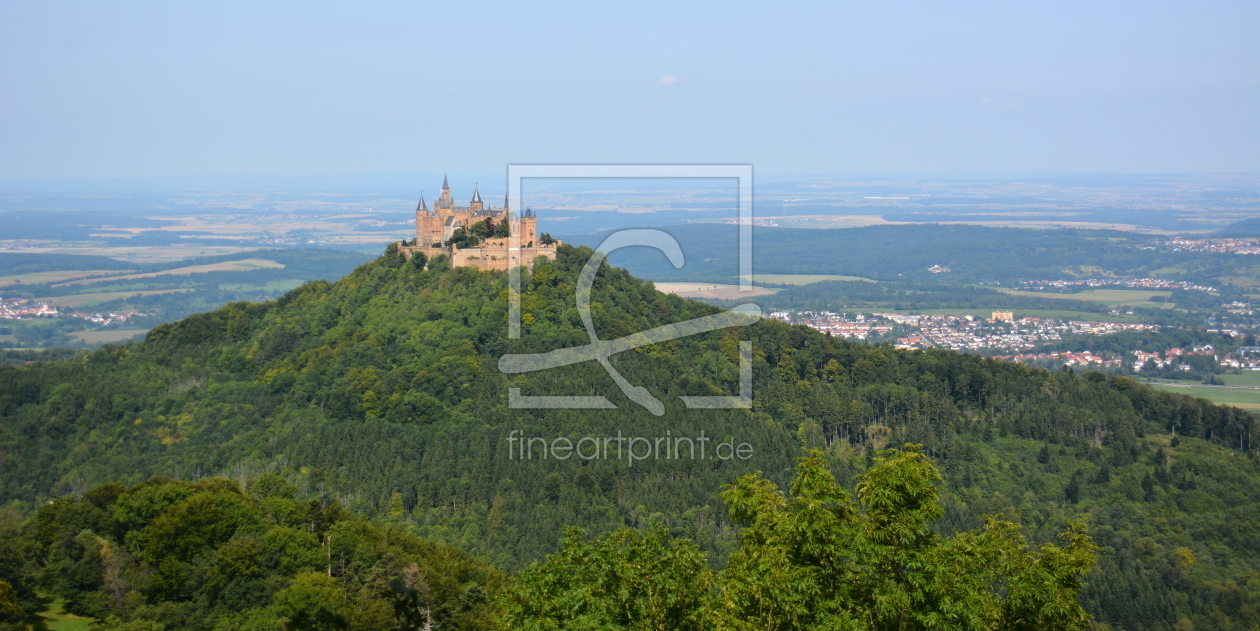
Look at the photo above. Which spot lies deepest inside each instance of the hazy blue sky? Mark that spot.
(102, 89)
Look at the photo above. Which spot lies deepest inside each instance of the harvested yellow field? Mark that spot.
(713, 291)
(802, 279)
(243, 265)
(673, 288)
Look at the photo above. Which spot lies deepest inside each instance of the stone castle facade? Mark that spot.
(435, 228)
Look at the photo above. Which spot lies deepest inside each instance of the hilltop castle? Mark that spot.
(443, 230)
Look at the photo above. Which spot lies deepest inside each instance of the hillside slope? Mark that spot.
(382, 390)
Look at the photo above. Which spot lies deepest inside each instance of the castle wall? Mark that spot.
(494, 256)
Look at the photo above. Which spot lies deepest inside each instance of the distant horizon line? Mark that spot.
(489, 178)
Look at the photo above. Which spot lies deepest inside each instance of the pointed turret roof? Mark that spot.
(446, 186)
(476, 195)
(505, 202)
(421, 206)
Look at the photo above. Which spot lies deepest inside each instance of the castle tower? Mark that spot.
(446, 191)
(428, 225)
(529, 229)
(476, 205)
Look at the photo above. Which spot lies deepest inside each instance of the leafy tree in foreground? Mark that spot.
(629, 579)
(816, 560)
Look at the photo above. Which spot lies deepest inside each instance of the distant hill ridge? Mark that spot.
(1249, 227)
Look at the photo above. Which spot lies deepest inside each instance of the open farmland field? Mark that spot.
(713, 291)
(1249, 378)
(107, 336)
(243, 265)
(52, 277)
(133, 254)
(275, 287)
(80, 300)
(1113, 297)
(1242, 397)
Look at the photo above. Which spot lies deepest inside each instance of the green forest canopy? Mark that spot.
(381, 392)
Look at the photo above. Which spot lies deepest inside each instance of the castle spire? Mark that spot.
(505, 203)
(476, 195)
(421, 207)
(446, 186)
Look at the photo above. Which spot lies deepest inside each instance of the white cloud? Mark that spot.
(668, 80)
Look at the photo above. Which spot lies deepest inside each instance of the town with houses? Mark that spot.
(24, 309)
(1181, 244)
(1001, 332)
(1128, 283)
(1002, 336)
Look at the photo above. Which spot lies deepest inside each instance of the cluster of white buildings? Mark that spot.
(23, 309)
(105, 318)
(960, 333)
(1067, 358)
(859, 328)
(1180, 244)
(1130, 283)
(761, 223)
(1245, 358)
(1172, 358)
(968, 333)
(1141, 357)
(18, 309)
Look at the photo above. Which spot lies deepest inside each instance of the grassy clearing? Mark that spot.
(243, 265)
(106, 337)
(56, 618)
(80, 300)
(1245, 398)
(1249, 378)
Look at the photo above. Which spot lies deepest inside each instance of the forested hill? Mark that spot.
(382, 391)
